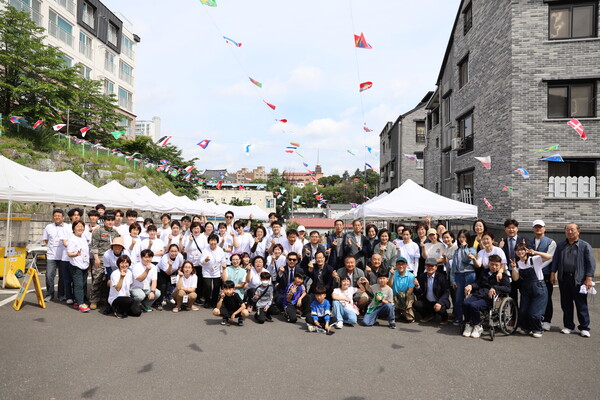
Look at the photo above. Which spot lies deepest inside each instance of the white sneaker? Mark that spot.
(339, 325)
(546, 326)
(69, 301)
(311, 328)
(172, 301)
(468, 330)
(477, 330)
(585, 333)
(566, 331)
(537, 334)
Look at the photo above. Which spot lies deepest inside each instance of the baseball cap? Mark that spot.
(301, 228)
(430, 261)
(430, 231)
(538, 222)
(401, 259)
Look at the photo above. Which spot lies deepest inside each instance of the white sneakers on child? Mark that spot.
(311, 328)
(565, 331)
(468, 330)
(339, 324)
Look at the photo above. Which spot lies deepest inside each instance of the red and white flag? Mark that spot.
(190, 168)
(38, 123)
(575, 124)
(58, 127)
(365, 86)
(84, 130)
(366, 128)
(219, 185)
(488, 204)
(486, 161)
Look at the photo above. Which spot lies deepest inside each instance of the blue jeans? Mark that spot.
(474, 306)
(533, 305)
(386, 310)
(341, 313)
(79, 284)
(51, 268)
(141, 296)
(67, 280)
(462, 279)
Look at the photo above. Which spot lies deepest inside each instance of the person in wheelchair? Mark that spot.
(482, 296)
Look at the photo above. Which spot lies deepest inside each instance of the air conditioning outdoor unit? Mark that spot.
(457, 143)
(392, 174)
(455, 196)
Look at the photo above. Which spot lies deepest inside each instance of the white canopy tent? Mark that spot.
(412, 201)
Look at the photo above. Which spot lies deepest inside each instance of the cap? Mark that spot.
(430, 231)
(139, 219)
(430, 261)
(401, 259)
(301, 228)
(538, 222)
(117, 242)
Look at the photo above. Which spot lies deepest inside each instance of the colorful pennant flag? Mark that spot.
(366, 128)
(411, 157)
(282, 120)
(270, 105)
(554, 158)
(575, 124)
(247, 151)
(365, 86)
(190, 168)
(551, 148)
(369, 149)
(163, 141)
(296, 144)
(369, 166)
(508, 189)
(486, 161)
(219, 185)
(231, 41)
(305, 164)
(117, 134)
(353, 205)
(257, 83)
(523, 172)
(58, 127)
(488, 204)
(84, 130)
(204, 143)
(361, 42)
(38, 123)
(210, 3)
(15, 120)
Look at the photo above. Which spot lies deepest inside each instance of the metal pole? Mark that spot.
(0, 124)
(68, 120)
(7, 242)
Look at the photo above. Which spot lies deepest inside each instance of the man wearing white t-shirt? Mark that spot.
(145, 277)
(53, 236)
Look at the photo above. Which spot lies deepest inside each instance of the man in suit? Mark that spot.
(335, 246)
(319, 272)
(312, 247)
(433, 292)
(508, 244)
(285, 276)
(574, 266)
(356, 244)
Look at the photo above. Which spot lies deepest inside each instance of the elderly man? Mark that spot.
(373, 268)
(403, 284)
(433, 291)
(575, 264)
(357, 279)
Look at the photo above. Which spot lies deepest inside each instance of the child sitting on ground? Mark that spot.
(230, 305)
(263, 298)
(320, 310)
(382, 303)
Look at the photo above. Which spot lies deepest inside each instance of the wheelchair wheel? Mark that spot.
(508, 316)
(19, 274)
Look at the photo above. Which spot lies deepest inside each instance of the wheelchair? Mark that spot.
(503, 316)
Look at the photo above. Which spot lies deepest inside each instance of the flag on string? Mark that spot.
(353, 205)
(411, 157)
(257, 83)
(190, 168)
(38, 123)
(295, 144)
(282, 120)
(231, 41)
(486, 161)
(204, 143)
(365, 86)
(163, 141)
(210, 3)
(554, 158)
(488, 204)
(58, 127)
(219, 185)
(84, 130)
(551, 148)
(117, 134)
(523, 172)
(273, 107)
(508, 189)
(305, 164)
(361, 42)
(369, 166)
(366, 128)
(575, 124)
(15, 120)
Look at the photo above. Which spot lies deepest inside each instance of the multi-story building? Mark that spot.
(300, 179)
(149, 128)
(94, 38)
(404, 136)
(244, 174)
(216, 175)
(513, 74)
(251, 194)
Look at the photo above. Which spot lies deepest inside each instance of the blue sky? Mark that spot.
(304, 55)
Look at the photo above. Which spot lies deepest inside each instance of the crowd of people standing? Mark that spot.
(362, 274)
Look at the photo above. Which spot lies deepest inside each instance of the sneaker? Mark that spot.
(47, 299)
(224, 321)
(537, 334)
(392, 325)
(62, 299)
(468, 330)
(456, 323)
(146, 309)
(93, 306)
(269, 318)
(194, 308)
(311, 328)
(159, 308)
(240, 322)
(84, 308)
(76, 306)
(585, 333)
(70, 301)
(477, 330)
(565, 331)
(546, 326)
(172, 301)
(428, 318)
(339, 325)
(119, 316)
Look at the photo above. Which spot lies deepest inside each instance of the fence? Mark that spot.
(572, 186)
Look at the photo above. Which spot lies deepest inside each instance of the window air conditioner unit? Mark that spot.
(457, 143)
(455, 196)
(392, 174)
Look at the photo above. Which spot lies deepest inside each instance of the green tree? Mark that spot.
(274, 180)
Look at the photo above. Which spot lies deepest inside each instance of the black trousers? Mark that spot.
(122, 305)
(425, 308)
(212, 287)
(164, 282)
(261, 315)
(226, 313)
(549, 308)
(515, 286)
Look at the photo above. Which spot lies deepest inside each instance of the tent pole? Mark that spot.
(7, 244)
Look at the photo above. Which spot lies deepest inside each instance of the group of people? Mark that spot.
(237, 269)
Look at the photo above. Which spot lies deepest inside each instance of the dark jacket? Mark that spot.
(342, 272)
(327, 275)
(518, 240)
(352, 249)
(308, 246)
(441, 288)
(334, 260)
(545, 242)
(485, 282)
(283, 281)
(586, 264)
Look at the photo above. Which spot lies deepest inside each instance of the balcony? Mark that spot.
(465, 195)
(68, 4)
(572, 187)
(420, 164)
(126, 77)
(128, 52)
(60, 34)
(20, 6)
(86, 50)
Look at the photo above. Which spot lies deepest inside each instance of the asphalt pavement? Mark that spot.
(60, 353)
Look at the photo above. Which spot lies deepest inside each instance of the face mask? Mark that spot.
(265, 283)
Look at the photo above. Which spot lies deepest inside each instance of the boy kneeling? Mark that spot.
(483, 291)
(230, 305)
(320, 312)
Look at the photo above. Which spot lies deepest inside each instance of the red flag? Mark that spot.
(488, 204)
(58, 127)
(270, 105)
(366, 128)
(38, 123)
(282, 120)
(219, 185)
(190, 168)
(240, 187)
(361, 42)
(366, 85)
(575, 124)
(84, 130)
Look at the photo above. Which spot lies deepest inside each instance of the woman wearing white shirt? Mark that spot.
(79, 253)
(133, 243)
(193, 250)
(275, 261)
(225, 241)
(259, 246)
(483, 257)
(242, 241)
(253, 279)
(154, 243)
(209, 229)
(119, 296)
(185, 288)
(534, 294)
(213, 261)
(167, 275)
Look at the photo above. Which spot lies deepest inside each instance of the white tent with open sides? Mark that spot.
(413, 201)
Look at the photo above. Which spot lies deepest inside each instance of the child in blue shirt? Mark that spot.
(292, 301)
(320, 308)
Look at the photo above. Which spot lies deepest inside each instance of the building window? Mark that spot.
(463, 72)
(113, 34)
(571, 21)
(465, 186)
(420, 161)
(60, 28)
(109, 62)
(127, 47)
(467, 18)
(572, 178)
(420, 127)
(85, 45)
(465, 132)
(575, 99)
(446, 109)
(125, 99)
(84, 72)
(125, 124)
(109, 87)
(88, 15)
(126, 72)
(68, 61)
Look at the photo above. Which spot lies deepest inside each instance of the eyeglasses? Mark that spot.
(292, 259)
(228, 216)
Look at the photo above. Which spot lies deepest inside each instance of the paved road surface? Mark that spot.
(59, 353)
